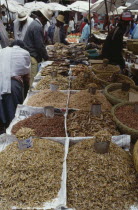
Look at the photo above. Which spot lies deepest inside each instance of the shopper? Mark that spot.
(112, 48)
(85, 32)
(34, 39)
(14, 71)
(92, 22)
(4, 40)
(71, 27)
(56, 32)
(21, 25)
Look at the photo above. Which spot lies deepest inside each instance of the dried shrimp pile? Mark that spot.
(43, 126)
(82, 123)
(44, 83)
(100, 181)
(30, 177)
(48, 98)
(83, 100)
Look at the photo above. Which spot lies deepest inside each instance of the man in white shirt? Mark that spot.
(92, 22)
(21, 25)
(15, 70)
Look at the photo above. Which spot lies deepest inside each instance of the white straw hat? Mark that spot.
(61, 18)
(22, 16)
(46, 12)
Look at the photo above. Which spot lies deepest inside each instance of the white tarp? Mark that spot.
(13, 6)
(80, 6)
(133, 6)
(34, 6)
(99, 6)
(57, 7)
(118, 11)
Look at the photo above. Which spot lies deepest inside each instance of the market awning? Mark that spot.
(133, 6)
(99, 6)
(13, 6)
(80, 6)
(118, 11)
(57, 7)
(34, 6)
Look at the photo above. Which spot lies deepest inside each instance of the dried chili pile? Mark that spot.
(100, 181)
(30, 177)
(127, 116)
(43, 126)
(82, 123)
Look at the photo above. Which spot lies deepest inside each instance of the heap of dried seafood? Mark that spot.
(25, 133)
(43, 126)
(83, 100)
(102, 136)
(76, 70)
(82, 123)
(44, 83)
(48, 98)
(100, 181)
(30, 177)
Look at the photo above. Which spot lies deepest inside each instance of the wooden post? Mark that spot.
(105, 1)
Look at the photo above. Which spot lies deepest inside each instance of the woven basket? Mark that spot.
(102, 79)
(123, 128)
(135, 156)
(114, 100)
(112, 69)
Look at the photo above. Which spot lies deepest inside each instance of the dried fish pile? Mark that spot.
(44, 83)
(25, 133)
(82, 123)
(30, 177)
(83, 100)
(43, 126)
(48, 98)
(102, 136)
(124, 95)
(127, 116)
(100, 181)
(78, 69)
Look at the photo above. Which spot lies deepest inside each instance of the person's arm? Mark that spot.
(39, 43)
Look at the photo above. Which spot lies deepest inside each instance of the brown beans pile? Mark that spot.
(127, 116)
(42, 125)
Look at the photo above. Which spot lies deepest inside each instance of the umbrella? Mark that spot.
(133, 6)
(80, 6)
(13, 6)
(57, 7)
(34, 6)
(100, 8)
(118, 11)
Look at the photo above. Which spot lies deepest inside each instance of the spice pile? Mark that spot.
(100, 181)
(44, 83)
(30, 177)
(82, 123)
(83, 100)
(48, 98)
(127, 116)
(43, 126)
(124, 95)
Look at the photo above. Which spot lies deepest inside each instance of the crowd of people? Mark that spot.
(19, 59)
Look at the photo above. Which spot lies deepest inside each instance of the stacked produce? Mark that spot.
(83, 100)
(30, 177)
(100, 181)
(43, 126)
(44, 83)
(82, 123)
(48, 98)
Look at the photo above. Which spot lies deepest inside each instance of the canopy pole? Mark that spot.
(90, 16)
(105, 1)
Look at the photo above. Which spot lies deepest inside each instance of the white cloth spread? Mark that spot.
(56, 35)
(20, 34)
(14, 61)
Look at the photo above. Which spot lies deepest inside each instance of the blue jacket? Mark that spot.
(135, 33)
(85, 32)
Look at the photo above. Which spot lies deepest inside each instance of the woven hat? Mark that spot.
(22, 16)
(60, 18)
(47, 13)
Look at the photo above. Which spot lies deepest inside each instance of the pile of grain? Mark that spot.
(100, 181)
(48, 98)
(43, 126)
(83, 100)
(30, 177)
(82, 123)
(44, 83)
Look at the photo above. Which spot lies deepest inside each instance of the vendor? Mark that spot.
(112, 48)
(14, 71)
(34, 39)
(56, 31)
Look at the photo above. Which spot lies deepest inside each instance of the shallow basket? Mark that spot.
(101, 79)
(114, 86)
(124, 129)
(115, 69)
(135, 156)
